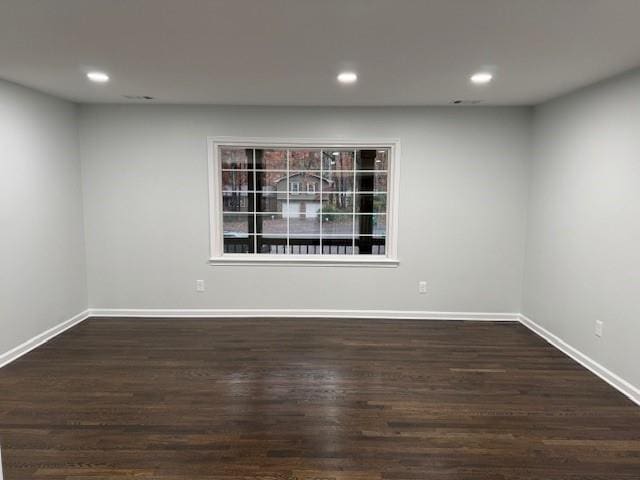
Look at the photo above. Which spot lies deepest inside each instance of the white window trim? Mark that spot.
(217, 257)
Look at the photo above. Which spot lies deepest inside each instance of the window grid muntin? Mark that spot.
(287, 183)
(255, 206)
(321, 205)
(353, 217)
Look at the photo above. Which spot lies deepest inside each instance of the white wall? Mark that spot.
(462, 209)
(42, 264)
(583, 249)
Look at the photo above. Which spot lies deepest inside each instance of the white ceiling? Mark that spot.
(288, 52)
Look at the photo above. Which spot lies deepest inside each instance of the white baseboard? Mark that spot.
(620, 384)
(303, 313)
(41, 338)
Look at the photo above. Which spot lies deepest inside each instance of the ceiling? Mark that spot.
(288, 52)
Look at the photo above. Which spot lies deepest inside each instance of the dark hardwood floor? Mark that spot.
(284, 399)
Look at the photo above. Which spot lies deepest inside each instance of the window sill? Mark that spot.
(304, 261)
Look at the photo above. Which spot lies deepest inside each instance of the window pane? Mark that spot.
(371, 203)
(304, 246)
(271, 181)
(337, 246)
(271, 202)
(267, 159)
(372, 159)
(371, 225)
(304, 184)
(366, 245)
(236, 158)
(304, 160)
(237, 180)
(237, 202)
(302, 204)
(271, 245)
(334, 224)
(337, 203)
(337, 159)
(239, 244)
(371, 182)
(271, 224)
(237, 225)
(338, 181)
(304, 225)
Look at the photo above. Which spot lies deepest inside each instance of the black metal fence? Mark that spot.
(305, 246)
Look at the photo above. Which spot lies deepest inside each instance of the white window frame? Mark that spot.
(217, 255)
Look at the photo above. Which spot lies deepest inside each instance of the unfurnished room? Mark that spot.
(320, 239)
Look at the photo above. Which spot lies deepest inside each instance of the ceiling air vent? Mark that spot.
(138, 97)
(465, 102)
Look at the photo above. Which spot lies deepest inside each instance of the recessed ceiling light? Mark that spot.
(347, 77)
(98, 77)
(481, 77)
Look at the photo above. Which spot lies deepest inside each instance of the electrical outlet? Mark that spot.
(422, 286)
(199, 285)
(599, 327)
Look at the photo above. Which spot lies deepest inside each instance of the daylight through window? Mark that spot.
(303, 201)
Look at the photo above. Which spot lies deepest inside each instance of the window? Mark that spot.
(260, 212)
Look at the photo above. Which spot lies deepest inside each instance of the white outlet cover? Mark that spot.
(422, 286)
(200, 285)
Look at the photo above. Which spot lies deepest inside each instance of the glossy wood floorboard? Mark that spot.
(286, 399)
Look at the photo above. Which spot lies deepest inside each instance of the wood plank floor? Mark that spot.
(286, 399)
